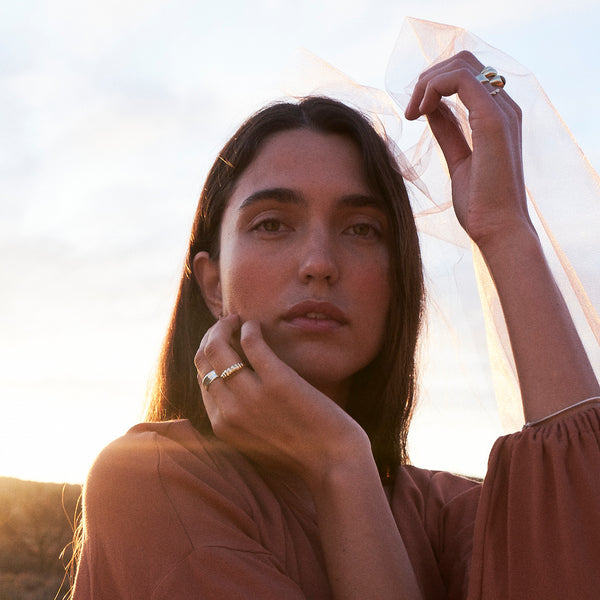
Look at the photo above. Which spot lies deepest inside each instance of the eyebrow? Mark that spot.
(289, 196)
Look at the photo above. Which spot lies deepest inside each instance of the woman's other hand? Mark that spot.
(272, 415)
(269, 412)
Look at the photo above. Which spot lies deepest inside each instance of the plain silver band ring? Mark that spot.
(229, 371)
(208, 379)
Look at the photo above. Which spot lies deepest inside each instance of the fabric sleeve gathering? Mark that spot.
(537, 532)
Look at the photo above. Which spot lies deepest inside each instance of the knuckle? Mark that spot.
(231, 417)
(465, 72)
(464, 55)
(518, 112)
(464, 65)
(249, 337)
(469, 59)
(210, 348)
(219, 426)
(198, 360)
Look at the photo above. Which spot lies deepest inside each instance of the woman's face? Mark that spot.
(303, 249)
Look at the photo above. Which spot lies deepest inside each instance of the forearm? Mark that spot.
(364, 553)
(552, 366)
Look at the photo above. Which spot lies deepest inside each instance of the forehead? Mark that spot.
(307, 160)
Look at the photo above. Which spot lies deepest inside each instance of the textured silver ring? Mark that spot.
(490, 75)
(229, 371)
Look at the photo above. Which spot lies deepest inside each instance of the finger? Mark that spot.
(206, 376)
(217, 351)
(463, 82)
(214, 357)
(464, 57)
(224, 328)
(463, 60)
(221, 345)
(448, 132)
(265, 362)
(512, 111)
(211, 406)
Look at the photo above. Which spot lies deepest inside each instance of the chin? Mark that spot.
(324, 374)
(323, 365)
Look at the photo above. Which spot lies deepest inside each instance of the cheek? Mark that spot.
(236, 273)
(246, 286)
(376, 278)
(378, 304)
(235, 282)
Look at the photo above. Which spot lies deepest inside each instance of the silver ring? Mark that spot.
(229, 371)
(208, 379)
(490, 75)
(487, 73)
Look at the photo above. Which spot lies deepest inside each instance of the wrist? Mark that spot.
(345, 467)
(513, 243)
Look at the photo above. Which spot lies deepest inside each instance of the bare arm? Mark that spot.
(553, 369)
(366, 557)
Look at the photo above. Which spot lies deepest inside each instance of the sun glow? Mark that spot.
(112, 116)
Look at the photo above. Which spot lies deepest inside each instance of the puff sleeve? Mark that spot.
(537, 529)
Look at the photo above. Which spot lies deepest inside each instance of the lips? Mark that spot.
(316, 312)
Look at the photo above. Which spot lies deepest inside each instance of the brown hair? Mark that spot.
(383, 393)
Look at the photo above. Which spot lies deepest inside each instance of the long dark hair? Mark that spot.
(383, 393)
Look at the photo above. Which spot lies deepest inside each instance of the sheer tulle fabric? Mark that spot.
(466, 339)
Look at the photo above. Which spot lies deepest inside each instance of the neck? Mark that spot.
(338, 392)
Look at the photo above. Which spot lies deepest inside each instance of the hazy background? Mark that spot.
(110, 115)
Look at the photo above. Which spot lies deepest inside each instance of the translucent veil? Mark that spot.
(465, 349)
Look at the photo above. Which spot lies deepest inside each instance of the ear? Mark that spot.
(207, 275)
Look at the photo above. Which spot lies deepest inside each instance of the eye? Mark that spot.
(270, 225)
(364, 230)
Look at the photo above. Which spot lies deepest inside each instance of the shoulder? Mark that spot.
(435, 512)
(169, 472)
(164, 488)
(166, 506)
(423, 487)
(130, 461)
(150, 455)
(436, 504)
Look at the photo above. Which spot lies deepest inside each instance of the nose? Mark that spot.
(318, 260)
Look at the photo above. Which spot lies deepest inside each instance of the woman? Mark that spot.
(303, 290)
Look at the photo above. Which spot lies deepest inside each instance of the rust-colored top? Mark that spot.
(172, 515)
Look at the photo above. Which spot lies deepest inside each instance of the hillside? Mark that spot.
(36, 525)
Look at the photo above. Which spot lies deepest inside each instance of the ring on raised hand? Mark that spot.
(229, 371)
(208, 379)
(487, 73)
(490, 75)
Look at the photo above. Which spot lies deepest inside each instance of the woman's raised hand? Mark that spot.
(487, 180)
(489, 199)
(269, 412)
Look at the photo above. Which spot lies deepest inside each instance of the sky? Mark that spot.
(110, 116)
